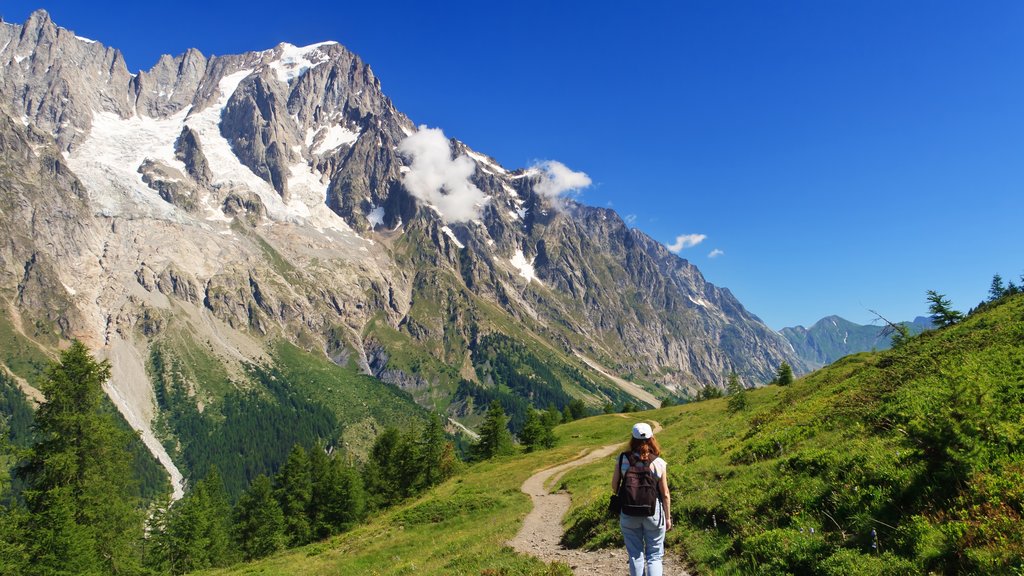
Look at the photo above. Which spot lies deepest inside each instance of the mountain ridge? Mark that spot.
(833, 337)
(225, 202)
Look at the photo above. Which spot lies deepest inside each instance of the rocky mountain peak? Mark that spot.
(245, 199)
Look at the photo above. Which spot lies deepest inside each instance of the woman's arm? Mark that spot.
(666, 500)
(615, 478)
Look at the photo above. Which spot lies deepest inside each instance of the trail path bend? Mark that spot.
(541, 533)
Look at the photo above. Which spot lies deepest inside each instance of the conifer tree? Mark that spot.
(495, 438)
(83, 517)
(294, 492)
(382, 486)
(533, 431)
(435, 463)
(340, 500)
(941, 309)
(221, 549)
(997, 289)
(737, 394)
(785, 375)
(259, 522)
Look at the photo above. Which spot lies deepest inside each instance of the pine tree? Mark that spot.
(293, 488)
(737, 394)
(785, 375)
(83, 517)
(382, 486)
(550, 419)
(996, 290)
(221, 549)
(435, 464)
(533, 431)
(495, 438)
(259, 522)
(941, 309)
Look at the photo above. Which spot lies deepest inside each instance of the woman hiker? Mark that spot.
(641, 482)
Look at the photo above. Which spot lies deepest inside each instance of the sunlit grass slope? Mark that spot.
(459, 527)
(907, 461)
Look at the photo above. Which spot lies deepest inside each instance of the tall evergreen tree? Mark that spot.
(78, 482)
(259, 522)
(195, 532)
(997, 289)
(294, 492)
(436, 454)
(941, 309)
(222, 551)
(382, 485)
(533, 431)
(339, 498)
(495, 438)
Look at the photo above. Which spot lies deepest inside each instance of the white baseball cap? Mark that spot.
(642, 431)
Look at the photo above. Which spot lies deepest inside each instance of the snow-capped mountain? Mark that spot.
(229, 202)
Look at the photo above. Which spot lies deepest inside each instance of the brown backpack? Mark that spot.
(638, 489)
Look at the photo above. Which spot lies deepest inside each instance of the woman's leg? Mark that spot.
(633, 534)
(654, 539)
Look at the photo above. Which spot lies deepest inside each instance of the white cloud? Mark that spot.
(686, 241)
(557, 179)
(629, 219)
(715, 253)
(435, 178)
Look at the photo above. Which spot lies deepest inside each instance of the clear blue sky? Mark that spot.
(843, 155)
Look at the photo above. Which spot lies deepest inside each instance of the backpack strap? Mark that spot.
(622, 475)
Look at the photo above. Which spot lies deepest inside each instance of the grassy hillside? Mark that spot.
(901, 462)
(906, 461)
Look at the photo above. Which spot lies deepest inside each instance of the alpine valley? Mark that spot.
(241, 238)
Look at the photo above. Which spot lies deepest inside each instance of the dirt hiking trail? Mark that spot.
(541, 533)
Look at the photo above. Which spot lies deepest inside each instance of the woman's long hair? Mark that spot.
(647, 448)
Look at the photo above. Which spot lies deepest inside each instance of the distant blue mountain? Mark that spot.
(832, 337)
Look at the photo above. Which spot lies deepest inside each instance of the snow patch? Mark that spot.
(375, 216)
(700, 301)
(525, 268)
(84, 39)
(485, 162)
(510, 190)
(448, 231)
(330, 138)
(295, 60)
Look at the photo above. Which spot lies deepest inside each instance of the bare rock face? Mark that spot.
(189, 151)
(261, 132)
(54, 79)
(170, 86)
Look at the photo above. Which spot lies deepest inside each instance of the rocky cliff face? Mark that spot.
(265, 196)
